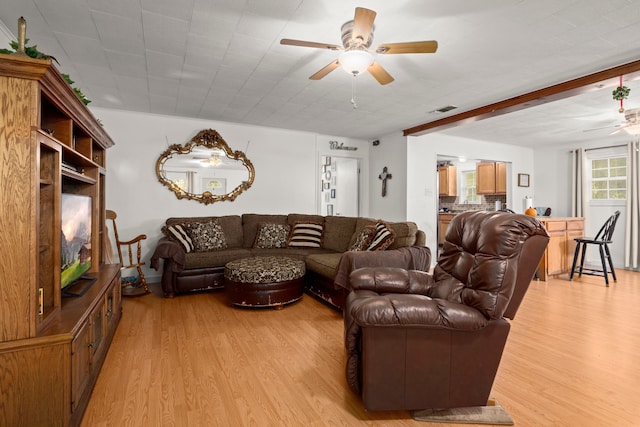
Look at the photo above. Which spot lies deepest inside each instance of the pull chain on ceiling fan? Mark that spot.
(355, 57)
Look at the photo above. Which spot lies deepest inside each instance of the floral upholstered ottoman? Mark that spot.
(266, 281)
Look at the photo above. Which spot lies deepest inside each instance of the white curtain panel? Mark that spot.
(631, 257)
(579, 190)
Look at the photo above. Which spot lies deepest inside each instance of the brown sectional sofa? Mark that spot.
(327, 267)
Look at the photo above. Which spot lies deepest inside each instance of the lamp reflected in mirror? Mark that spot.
(205, 169)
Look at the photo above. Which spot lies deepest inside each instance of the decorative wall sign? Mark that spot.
(335, 145)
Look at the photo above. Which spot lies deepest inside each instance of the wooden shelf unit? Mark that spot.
(51, 348)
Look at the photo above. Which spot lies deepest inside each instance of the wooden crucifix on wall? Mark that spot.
(384, 176)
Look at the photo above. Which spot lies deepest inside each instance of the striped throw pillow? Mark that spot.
(178, 233)
(306, 235)
(383, 238)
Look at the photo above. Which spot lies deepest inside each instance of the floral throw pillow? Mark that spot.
(364, 239)
(383, 238)
(271, 236)
(207, 236)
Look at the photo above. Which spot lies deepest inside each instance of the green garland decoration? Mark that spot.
(620, 93)
(33, 52)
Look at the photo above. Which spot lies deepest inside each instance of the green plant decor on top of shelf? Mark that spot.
(33, 52)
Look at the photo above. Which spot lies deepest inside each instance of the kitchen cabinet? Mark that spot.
(491, 178)
(558, 256)
(443, 224)
(447, 181)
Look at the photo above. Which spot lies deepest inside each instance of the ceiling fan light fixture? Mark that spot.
(355, 61)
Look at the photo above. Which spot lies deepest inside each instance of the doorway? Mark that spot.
(340, 177)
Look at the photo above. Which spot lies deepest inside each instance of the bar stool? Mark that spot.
(602, 239)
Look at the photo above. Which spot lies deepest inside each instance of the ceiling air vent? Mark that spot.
(443, 109)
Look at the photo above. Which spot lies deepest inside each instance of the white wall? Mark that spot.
(6, 35)
(422, 192)
(392, 153)
(286, 164)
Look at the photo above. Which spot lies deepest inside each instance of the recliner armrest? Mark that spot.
(391, 280)
(368, 309)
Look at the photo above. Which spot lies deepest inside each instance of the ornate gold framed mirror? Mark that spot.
(205, 169)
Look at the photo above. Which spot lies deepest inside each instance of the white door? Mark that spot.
(347, 189)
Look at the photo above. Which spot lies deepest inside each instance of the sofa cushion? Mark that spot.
(325, 265)
(293, 218)
(406, 234)
(214, 258)
(250, 224)
(338, 231)
(306, 235)
(207, 236)
(298, 253)
(270, 236)
(383, 237)
(364, 239)
(231, 226)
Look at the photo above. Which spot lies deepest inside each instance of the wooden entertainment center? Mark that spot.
(51, 348)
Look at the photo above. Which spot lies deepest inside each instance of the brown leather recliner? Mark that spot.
(417, 341)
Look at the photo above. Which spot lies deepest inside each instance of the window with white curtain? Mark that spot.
(609, 178)
(468, 188)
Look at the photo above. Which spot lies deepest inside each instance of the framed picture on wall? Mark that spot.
(523, 180)
(325, 185)
(333, 193)
(327, 160)
(329, 210)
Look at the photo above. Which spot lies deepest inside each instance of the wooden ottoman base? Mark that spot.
(263, 294)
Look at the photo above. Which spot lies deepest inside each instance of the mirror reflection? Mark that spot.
(205, 169)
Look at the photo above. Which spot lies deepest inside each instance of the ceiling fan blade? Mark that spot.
(408, 47)
(362, 24)
(316, 45)
(324, 71)
(380, 74)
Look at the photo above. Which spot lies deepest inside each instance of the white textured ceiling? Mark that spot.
(222, 60)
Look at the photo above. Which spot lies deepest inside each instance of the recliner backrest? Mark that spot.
(485, 257)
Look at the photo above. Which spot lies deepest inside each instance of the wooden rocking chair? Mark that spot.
(138, 286)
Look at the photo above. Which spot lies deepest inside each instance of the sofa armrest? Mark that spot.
(170, 251)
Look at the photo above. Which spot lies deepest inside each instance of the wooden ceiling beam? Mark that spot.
(580, 85)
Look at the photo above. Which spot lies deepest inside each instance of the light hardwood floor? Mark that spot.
(572, 359)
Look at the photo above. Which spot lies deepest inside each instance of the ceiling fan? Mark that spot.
(632, 122)
(355, 56)
(630, 125)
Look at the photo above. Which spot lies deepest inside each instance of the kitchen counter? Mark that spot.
(558, 256)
